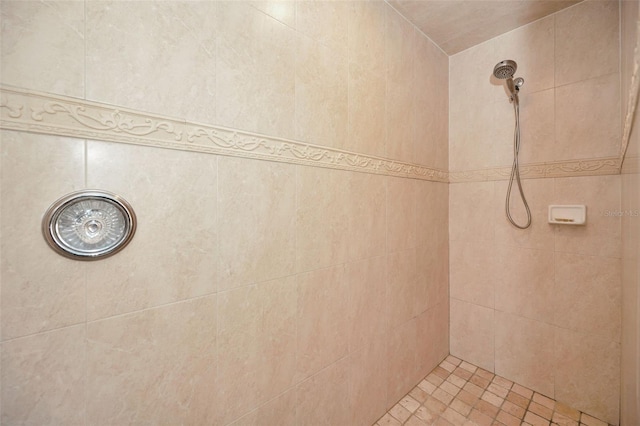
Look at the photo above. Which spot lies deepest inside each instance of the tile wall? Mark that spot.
(630, 362)
(540, 306)
(254, 292)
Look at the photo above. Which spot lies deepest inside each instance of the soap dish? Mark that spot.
(568, 214)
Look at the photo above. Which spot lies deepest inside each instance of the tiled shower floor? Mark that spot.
(461, 394)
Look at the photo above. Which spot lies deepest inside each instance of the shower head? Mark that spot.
(505, 69)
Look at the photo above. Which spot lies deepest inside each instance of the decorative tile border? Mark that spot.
(569, 168)
(37, 112)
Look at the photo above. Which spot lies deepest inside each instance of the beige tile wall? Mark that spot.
(540, 306)
(253, 292)
(630, 335)
(570, 102)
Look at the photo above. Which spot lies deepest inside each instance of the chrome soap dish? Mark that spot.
(89, 225)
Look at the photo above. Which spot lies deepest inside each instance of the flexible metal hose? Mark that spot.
(515, 170)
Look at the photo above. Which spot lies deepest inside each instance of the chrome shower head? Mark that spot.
(505, 69)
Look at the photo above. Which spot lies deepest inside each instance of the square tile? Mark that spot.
(540, 410)
(442, 396)
(521, 390)
(410, 404)
(462, 373)
(400, 413)
(544, 401)
(450, 388)
(458, 381)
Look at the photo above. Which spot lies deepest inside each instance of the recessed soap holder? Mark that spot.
(568, 214)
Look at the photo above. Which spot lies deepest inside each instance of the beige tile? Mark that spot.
(471, 213)
(450, 388)
(588, 295)
(432, 211)
(586, 374)
(366, 40)
(561, 420)
(540, 410)
(502, 382)
(507, 419)
(410, 404)
(399, 118)
(154, 366)
(427, 386)
(255, 71)
(431, 101)
(325, 22)
(367, 391)
(322, 333)
(567, 411)
(322, 218)
(281, 411)
(498, 390)
(401, 287)
(415, 421)
(443, 396)
(256, 345)
(522, 391)
(282, 10)
(601, 235)
(367, 126)
(367, 215)
(43, 378)
(539, 194)
(339, 217)
(454, 417)
(587, 41)
(367, 287)
(532, 47)
(400, 413)
(432, 281)
(473, 273)
(492, 398)
(535, 420)
(41, 290)
(591, 421)
(447, 366)
(586, 128)
(512, 409)
(321, 104)
(401, 364)
(401, 39)
(537, 124)
(461, 407)
(43, 46)
(401, 213)
(525, 284)
(419, 394)
(171, 64)
(256, 243)
(470, 73)
(472, 333)
(501, 127)
(472, 132)
(323, 399)
(388, 420)
(180, 265)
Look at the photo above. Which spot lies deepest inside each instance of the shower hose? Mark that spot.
(515, 172)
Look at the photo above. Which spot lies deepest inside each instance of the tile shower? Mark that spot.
(276, 282)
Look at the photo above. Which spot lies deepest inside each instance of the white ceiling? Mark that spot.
(456, 25)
